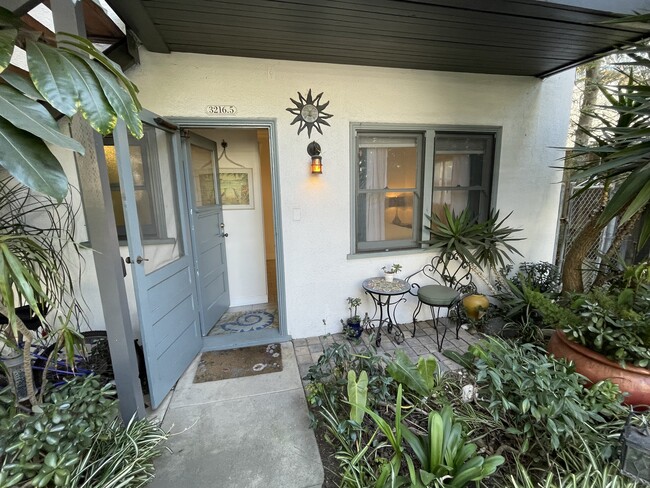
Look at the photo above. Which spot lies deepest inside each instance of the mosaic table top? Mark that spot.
(382, 287)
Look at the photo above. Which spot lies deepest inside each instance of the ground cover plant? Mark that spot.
(74, 439)
(528, 420)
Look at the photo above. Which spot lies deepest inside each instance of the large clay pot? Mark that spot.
(476, 306)
(596, 367)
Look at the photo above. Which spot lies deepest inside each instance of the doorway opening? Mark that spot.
(244, 181)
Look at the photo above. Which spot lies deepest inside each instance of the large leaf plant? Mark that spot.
(73, 77)
(70, 78)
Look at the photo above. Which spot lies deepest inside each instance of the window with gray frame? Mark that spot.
(147, 186)
(404, 174)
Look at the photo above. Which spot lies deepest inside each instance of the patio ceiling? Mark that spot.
(510, 37)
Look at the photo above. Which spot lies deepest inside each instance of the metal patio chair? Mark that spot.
(441, 283)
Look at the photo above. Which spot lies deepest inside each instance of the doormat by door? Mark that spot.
(237, 363)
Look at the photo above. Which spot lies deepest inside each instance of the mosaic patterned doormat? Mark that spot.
(247, 321)
(237, 363)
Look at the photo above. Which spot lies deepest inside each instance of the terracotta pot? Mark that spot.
(476, 306)
(596, 367)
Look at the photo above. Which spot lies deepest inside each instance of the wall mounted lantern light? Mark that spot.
(313, 149)
(635, 447)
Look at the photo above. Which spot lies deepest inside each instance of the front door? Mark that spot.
(208, 233)
(160, 254)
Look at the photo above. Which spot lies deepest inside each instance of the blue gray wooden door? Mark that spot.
(208, 230)
(160, 253)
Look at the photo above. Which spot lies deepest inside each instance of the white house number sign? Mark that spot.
(221, 110)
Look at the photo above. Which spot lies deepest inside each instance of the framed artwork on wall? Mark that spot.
(236, 187)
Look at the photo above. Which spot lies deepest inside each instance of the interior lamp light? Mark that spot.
(313, 149)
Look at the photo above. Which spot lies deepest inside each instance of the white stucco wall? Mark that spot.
(319, 274)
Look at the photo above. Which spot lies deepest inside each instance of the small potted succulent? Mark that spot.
(389, 273)
(352, 326)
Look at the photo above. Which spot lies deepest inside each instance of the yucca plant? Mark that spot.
(616, 156)
(485, 246)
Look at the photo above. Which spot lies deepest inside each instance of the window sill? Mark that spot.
(395, 252)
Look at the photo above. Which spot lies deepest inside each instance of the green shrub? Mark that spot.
(543, 400)
(328, 377)
(46, 445)
(418, 377)
(614, 322)
(74, 439)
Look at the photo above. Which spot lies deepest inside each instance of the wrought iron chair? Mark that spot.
(441, 283)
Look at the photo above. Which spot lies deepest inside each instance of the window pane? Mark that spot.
(137, 168)
(203, 175)
(456, 200)
(169, 247)
(387, 161)
(385, 217)
(463, 162)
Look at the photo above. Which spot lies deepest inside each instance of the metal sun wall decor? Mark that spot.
(309, 111)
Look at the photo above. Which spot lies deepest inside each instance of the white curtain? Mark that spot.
(376, 177)
(451, 170)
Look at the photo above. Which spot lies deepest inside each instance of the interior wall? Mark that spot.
(267, 192)
(245, 247)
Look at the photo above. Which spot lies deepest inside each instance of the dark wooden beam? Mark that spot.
(46, 34)
(99, 26)
(135, 16)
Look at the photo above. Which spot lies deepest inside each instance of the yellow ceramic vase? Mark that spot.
(476, 306)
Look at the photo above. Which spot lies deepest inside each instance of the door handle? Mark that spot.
(138, 260)
(223, 234)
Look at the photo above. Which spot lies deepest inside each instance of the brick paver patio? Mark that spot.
(424, 343)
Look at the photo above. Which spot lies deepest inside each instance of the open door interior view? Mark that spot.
(195, 216)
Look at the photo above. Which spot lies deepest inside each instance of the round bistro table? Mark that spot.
(386, 295)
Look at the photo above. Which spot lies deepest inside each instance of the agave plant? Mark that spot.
(482, 245)
(72, 78)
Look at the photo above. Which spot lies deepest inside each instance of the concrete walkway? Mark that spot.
(240, 433)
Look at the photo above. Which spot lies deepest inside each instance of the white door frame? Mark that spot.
(212, 343)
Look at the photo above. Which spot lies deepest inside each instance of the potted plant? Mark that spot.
(606, 332)
(352, 326)
(389, 273)
(483, 246)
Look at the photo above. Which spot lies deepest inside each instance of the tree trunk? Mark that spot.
(592, 77)
(622, 232)
(575, 256)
